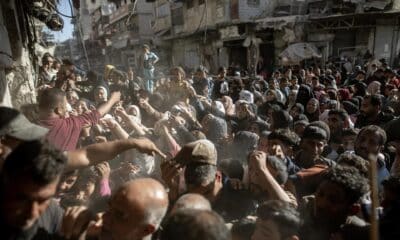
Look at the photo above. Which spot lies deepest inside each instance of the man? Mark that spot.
(147, 61)
(202, 177)
(371, 112)
(277, 220)
(312, 144)
(267, 176)
(16, 129)
(332, 212)
(135, 211)
(26, 206)
(45, 74)
(287, 141)
(29, 180)
(369, 144)
(192, 224)
(64, 130)
(310, 160)
(191, 201)
(337, 122)
(221, 85)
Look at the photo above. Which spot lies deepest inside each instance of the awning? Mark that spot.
(118, 44)
(278, 23)
(298, 52)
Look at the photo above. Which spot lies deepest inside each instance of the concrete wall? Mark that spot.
(162, 20)
(385, 42)
(248, 12)
(197, 17)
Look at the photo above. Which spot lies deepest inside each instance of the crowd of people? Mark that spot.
(188, 155)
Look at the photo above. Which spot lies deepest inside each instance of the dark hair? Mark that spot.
(324, 126)
(198, 174)
(350, 180)
(353, 160)
(287, 137)
(350, 132)
(299, 106)
(279, 166)
(341, 113)
(7, 115)
(191, 224)
(374, 129)
(50, 98)
(38, 160)
(375, 99)
(315, 132)
(281, 119)
(393, 184)
(221, 69)
(244, 228)
(283, 215)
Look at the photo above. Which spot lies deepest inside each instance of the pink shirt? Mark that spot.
(64, 132)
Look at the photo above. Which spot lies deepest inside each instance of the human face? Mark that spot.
(348, 143)
(294, 81)
(66, 184)
(368, 109)
(367, 143)
(299, 129)
(100, 95)
(263, 145)
(254, 128)
(124, 219)
(312, 105)
(176, 76)
(335, 123)
(313, 147)
(24, 201)
(276, 148)
(241, 111)
(270, 96)
(314, 82)
(294, 112)
(222, 74)
(81, 107)
(73, 98)
(331, 205)
(266, 229)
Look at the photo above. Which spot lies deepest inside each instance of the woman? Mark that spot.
(228, 105)
(312, 110)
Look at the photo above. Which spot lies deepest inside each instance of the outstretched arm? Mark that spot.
(106, 107)
(100, 152)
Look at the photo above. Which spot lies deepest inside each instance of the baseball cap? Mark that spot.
(19, 127)
(315, 132)
(201, 151)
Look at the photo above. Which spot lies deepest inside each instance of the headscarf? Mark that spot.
(137, 118)
(315, 115)
(344, 94)
(281, 119)
(304, 94)
(374, 87)
(218, 108)
(361, 89)
(229, 106)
